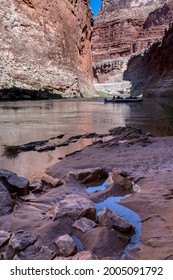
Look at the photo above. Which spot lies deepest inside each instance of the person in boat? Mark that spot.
(119, 97)
(113, 97)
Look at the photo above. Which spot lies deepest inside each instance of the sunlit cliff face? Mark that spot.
(111, 5)
(46, 44)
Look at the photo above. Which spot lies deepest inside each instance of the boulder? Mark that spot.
(21, 240)
(52, 182)
(6, 202)
(85, 255)
(89, 175)
(84, 224)
(4, 237)
(66, 245)
(122, 179)
(13, 182)
(108, 218)
(74, 206)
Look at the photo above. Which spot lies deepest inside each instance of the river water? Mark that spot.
(25, 121)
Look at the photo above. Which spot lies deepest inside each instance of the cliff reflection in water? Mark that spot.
(23, 122)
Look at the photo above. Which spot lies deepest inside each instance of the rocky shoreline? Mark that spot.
(55, 218)
(16, 93)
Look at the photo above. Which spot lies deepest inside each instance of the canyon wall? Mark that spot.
(152, 72)
(122, 29)
(46, 45)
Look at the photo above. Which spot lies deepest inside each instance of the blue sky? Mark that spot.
(95, 5)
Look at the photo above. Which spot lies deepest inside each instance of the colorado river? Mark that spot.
(26, 121)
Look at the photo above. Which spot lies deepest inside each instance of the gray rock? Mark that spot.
(66, 245)
(4, 237)
(107, 218)
(6, 202)
(74, 206)
(44, 254)
(13, 182)
(21, 240)
(84, 224)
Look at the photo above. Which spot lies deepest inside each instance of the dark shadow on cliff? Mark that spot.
(16, 93)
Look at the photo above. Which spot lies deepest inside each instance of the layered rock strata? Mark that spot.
(151, 73)
(46, 45)
(122, 29)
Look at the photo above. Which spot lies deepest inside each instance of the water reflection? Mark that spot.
(25, 121)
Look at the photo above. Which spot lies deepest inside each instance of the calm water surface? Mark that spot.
(25, 121)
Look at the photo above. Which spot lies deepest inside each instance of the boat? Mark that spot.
(123, 100)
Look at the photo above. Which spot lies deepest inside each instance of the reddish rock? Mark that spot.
(46, 46)
(151, 73)
(122, 29)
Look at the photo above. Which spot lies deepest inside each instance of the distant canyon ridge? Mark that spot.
(58, 47)
(124, 32)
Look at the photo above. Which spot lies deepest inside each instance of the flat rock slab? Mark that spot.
(84, 224)
(13, 182)
(108, 218)
(74, 206)
(66, 245)
(6, 202)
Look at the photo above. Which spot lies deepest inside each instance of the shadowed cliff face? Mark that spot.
(122, 29)
(152, 73)
(46, 44)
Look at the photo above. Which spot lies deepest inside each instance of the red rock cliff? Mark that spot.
(122, 29)
(152, 72)
(46, 44)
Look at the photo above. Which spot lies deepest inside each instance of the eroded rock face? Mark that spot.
(151, 73)
(122, 29)
(46, 46)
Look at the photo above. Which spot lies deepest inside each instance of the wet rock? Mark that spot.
(84, 224)
(6, 202)
(85, 255)
(122, 179)
(21, 240)
(66, 245)
(89, 175)
(74, 206)
(4, 237)
(108, 218)
(31, 146)
(52, 182)
(13, 182)
(44, 148)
